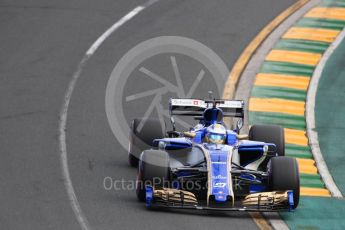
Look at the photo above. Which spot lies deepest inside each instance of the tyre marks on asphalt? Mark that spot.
(81, 218)
(280, 89)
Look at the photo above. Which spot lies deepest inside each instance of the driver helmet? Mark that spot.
(216, 134)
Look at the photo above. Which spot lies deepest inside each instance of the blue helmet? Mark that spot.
(215, 133)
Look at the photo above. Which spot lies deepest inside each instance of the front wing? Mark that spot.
(179, 199)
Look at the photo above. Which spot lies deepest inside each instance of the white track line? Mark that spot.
(114, 27)
(310, 118)
(82, 220)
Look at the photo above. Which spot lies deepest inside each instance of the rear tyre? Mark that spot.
(141, 140)
(284, 175)
(269, 134)
(153, 170)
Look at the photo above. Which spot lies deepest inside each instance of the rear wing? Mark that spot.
(196, 107)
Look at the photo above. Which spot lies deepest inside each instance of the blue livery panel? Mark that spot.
(220, 180)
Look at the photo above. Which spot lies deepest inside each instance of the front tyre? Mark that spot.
(153, 170)
(269, 134)
(284, 175)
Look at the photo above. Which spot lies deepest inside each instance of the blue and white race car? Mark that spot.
(210, 166)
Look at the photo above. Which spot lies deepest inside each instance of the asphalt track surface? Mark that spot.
(42, 44)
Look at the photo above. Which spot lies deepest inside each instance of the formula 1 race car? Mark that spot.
(211, 167)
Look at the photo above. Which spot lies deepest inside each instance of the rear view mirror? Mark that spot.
(239, 125)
